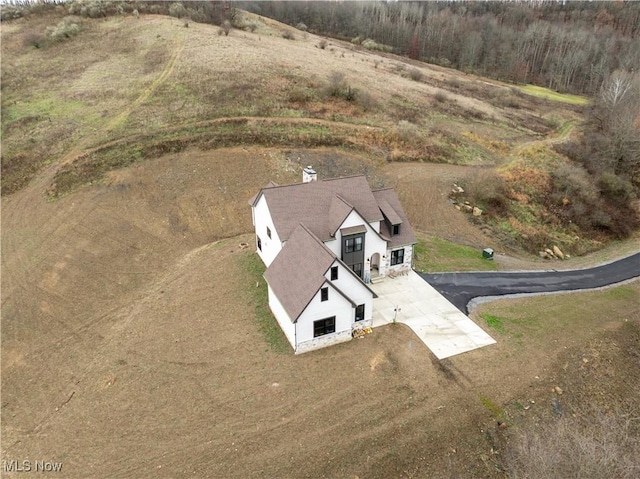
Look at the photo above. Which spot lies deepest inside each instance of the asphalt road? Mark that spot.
(460, 288)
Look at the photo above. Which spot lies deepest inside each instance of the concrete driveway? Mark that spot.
(437, 322)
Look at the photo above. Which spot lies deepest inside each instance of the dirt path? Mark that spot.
(147, 92)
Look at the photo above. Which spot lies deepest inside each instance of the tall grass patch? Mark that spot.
(257, 295)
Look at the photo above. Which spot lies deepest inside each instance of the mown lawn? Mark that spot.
(433, 254)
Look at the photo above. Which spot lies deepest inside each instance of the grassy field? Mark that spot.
(433, 255)
(527, 319)
(547, 94)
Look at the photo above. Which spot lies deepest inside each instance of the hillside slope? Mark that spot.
(131, 336)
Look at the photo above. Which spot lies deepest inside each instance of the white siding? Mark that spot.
(372, 242)
(357, 292)
(262, 220)
(336, 306)
(287, 326)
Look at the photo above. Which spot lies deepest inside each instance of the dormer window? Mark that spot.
(269, 232)
(395, 230)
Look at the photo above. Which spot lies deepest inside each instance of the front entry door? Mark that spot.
(353, 253)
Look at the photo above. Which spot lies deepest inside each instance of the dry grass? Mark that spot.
(138, 76)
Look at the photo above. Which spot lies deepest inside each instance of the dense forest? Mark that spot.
(566, 46)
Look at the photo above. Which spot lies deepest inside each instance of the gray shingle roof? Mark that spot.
(388, 197)
(321, 205)
(296, 274)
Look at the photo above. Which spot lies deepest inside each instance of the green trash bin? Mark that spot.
(487, 253)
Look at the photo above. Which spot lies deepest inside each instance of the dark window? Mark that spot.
(334, 273)
(268, 232)
(259, 243)
(353, 244)
(397, 257)
(324, 326)
(348, 246)
(395, 230)
(360, 312)
(357, 269)
(324, 294)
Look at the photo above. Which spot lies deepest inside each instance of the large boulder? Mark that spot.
(558, 252)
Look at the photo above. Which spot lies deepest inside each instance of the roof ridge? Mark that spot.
(341, 198)
(343, 177)
(318, 240)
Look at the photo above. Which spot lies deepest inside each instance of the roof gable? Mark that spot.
(321, 205)
(297, 273)
(389, 199)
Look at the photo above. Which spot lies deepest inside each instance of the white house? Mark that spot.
(323, 242)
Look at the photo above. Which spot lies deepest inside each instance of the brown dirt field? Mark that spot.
(130, 346)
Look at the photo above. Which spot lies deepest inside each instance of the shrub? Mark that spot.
(288, 34)
(299, 95)
(322, 44)
(406, 131)
(616, 188)
(337, 83)
(67, 28)
(177, 10)
(440, 97)
(486, 188)
(226, 27)
(415, 74)
(34, 39)
(301, 26)
(454, 83)
(367, 101)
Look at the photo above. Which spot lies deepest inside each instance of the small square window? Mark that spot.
(397, 257)
(259, 243)
(360, 312)
(334, 273)
(324, 294)
(395, 230)
(268, 232)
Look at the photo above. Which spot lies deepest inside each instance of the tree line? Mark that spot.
(569, 47)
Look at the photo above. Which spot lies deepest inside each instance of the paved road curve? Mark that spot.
(460, 288)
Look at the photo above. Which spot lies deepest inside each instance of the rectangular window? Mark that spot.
(357, 269)
(324, 326)
(353, 244)
(395, 230)
(360, 312)
(334, 273)
(348, 245)
(259, 243)
(324, 294)
(268, 232)
(397, 257)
